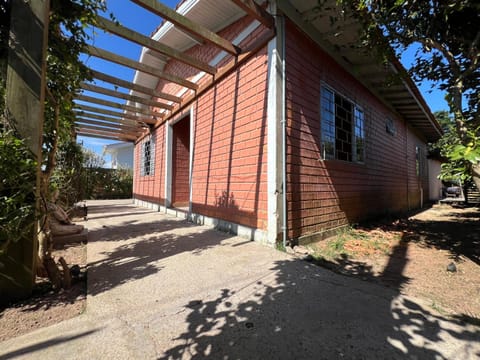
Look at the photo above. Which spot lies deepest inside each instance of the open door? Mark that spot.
(181, 163)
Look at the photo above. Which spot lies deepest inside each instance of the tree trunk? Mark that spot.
(456, 107)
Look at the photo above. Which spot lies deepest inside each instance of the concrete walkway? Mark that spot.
(161, 288)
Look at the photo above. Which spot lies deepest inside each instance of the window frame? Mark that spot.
(355, 109)
(147, 145)
(421, 170)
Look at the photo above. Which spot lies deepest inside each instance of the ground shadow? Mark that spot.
(304, 312)
(45, 344)
(294, 310)
(458, 233)
(129, 229)
(111, 215)
(45, 297)
(132, 260)
(460, 239)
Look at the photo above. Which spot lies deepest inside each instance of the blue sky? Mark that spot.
(143, 21)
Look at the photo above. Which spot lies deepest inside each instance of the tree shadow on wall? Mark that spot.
(299, 311)
(225, 200)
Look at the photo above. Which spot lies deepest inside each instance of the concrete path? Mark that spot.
(161, 288)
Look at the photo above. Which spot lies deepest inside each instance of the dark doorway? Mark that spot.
(181, 162)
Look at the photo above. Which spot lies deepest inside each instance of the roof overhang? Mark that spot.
(390, 83)
(199, 21)
(212, 14)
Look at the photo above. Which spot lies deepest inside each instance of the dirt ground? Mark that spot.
(411, 255)
(433, 255)
(47, 307)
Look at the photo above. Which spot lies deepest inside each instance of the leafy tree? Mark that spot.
(454, 169)
(92, 160)
(64, 73)
(67, 39)
(447, 33)
(68, 173)
(17, 195)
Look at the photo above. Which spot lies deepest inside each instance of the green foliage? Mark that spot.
(446, 34)
(17, 164)
(458, 157)
(101, 183)
(104, 183)
(92, 160)
(65, 72)
(17, 193)
(67, 175)
(448, 42)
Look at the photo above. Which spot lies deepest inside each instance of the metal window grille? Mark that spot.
(342, 128)
(148, 157)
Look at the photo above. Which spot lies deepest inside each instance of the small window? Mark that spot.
(148, 156)
(342, 127)
(359, 139)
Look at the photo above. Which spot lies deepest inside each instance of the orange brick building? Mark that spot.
(304, 137)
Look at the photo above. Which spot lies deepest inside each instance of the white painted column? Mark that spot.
(274, 135)
(190, 150)
(168, 163)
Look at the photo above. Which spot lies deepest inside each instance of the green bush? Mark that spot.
(17, 189)
(68, 174)
(101, 183)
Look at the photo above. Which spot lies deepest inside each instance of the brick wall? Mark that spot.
(229, 172)
(326, 194)
(151, 188)
(229, 150)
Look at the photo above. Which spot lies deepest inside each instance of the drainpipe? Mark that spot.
(421, 196)
(406, 164)
(284, 136)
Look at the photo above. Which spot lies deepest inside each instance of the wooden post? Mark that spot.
(25, 92)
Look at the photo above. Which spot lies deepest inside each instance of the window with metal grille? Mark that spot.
(148, 157)
(342, 128)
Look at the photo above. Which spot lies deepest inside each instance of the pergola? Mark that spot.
(143, 107)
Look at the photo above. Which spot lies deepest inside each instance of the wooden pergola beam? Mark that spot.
(117, 94)
(121, 60)
(119, 106)
(120, 115)
(138, 88)
(108, 137)
(223, 72)
(145, 41)
(105, 135)
(188, 25)
(108, 119)
(82, 120)
(256, 11)
(106, 129)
